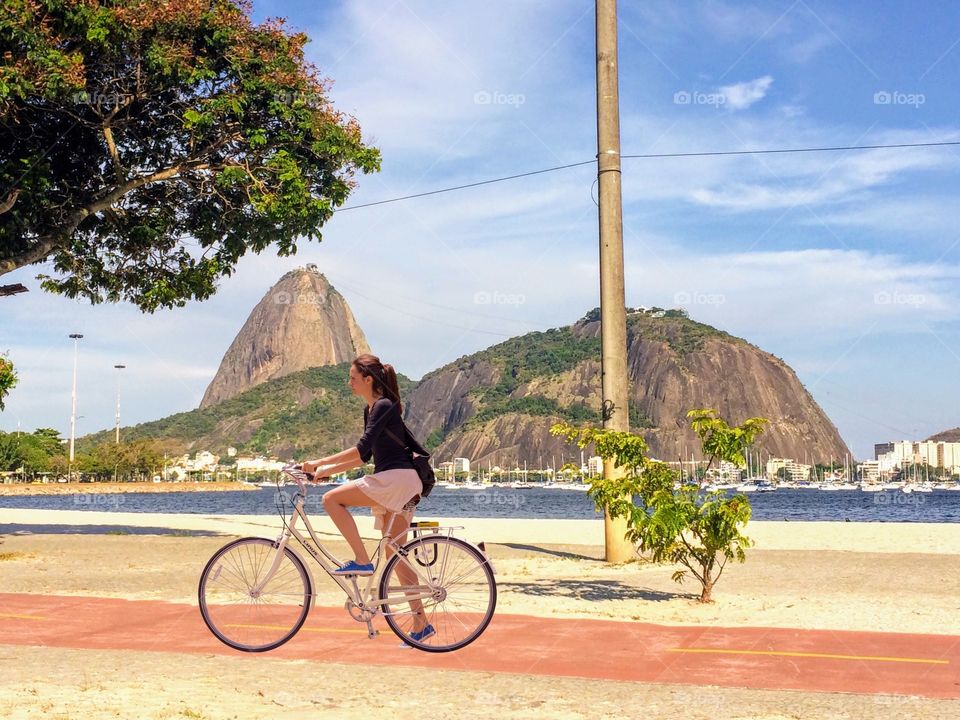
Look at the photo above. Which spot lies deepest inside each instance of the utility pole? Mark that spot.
(613, 315)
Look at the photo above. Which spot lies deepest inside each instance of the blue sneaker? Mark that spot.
(421, 635)
(354, 568)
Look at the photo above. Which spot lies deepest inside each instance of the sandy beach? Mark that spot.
(837, 576)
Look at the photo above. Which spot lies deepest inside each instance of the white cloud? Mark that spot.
(742, 95)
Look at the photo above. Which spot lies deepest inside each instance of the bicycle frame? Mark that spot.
(367, 602)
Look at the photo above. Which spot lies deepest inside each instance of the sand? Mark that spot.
(886, 577)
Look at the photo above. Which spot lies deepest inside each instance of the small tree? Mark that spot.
(676, 524)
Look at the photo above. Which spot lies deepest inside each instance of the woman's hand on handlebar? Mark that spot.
(316, 470)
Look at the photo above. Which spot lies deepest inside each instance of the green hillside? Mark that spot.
(559, 350)
(307, 413)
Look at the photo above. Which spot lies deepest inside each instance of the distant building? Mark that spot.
(461, 465)
(793, 471)
(595, 465)
(257, 464)
(882, 449)
(869, 470)
(900, 453)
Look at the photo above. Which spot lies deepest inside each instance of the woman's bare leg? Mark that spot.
(335, 502)
(397, 526)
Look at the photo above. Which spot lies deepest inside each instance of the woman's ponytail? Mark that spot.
(392, 386)
(384, 376)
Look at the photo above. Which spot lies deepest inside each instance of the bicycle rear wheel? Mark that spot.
(458, 603)
(244, 615)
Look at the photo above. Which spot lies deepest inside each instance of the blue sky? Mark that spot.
(844, 264)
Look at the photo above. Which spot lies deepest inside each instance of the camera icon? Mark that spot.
(283, 298)
(882, 298)
(882, 98)
(482, 97)
(482, 298)
(681, 97)
(682, 298)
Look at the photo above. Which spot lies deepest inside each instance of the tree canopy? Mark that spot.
(147, 145)
(8, 379)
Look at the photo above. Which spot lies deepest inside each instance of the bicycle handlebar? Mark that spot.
(296, 472)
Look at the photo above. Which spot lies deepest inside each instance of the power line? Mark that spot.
(794, 150)
(469, 185)
(652, 156)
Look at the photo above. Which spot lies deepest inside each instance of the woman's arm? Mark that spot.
(341, 462)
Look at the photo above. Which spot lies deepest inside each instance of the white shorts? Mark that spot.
(391, 491)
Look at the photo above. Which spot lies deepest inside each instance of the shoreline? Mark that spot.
(862, 537)
(113, 488)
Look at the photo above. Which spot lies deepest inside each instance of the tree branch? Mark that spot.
(10, 200)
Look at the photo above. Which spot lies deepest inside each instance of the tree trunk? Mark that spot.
(706, 596)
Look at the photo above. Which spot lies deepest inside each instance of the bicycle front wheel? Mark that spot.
(241, 609)
(440, 582)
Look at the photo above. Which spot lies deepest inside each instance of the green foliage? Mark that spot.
(433, 440)
(719, 440)
(673, 523)
(639, 419)
(535, 405)
(29, 452)
(8, 378)
(149, 144)
(534, 355)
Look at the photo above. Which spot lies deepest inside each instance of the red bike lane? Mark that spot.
(768, 658)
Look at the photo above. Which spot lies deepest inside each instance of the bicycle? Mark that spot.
(255, 593)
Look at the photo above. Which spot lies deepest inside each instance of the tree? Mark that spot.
(147, 145)
(671, 522)
(722, 442)
(8, 379)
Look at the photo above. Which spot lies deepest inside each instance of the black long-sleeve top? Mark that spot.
(387, 453)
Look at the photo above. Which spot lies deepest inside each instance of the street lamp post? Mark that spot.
(119, 368)
(73, 398)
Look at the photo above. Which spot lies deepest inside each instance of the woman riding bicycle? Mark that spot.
(393, 490)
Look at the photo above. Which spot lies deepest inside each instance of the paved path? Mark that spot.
(775, 658)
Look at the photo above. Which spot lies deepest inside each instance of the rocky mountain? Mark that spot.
(301, 322)
(497, 406)
(946, 436)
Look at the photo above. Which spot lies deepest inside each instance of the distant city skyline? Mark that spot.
(842, 264)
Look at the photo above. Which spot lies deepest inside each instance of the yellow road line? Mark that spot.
(316, 630)
(22, 617)
(722, 651)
